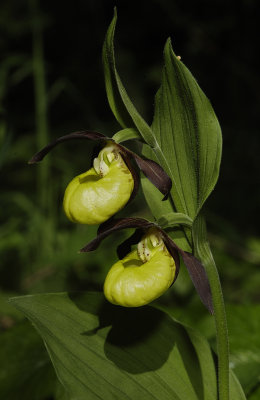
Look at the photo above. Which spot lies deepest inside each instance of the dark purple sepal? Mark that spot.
(173, 250)
(125, 247)
(153, 171)
(196, 271)
(195, 268)
(199, 278)
(112, 226)
(90, 135)
(134, 174)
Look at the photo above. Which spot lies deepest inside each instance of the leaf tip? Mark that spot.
(115, 12)
(14, 300)
(168, 49)
(168, 45)
(10, 299)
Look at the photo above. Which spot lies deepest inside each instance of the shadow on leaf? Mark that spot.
(138, 340)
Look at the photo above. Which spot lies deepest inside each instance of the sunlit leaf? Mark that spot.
(236, 390)
(185, 135)
(104, 351)
(188, 133)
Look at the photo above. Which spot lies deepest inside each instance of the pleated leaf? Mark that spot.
(126, 134)
(119, 101)
(102, 351)
(188, 133)
(185, 135)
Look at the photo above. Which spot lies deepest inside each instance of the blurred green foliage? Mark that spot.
(51, 84)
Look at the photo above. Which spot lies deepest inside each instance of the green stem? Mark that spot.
(174, 197)
(202, 250)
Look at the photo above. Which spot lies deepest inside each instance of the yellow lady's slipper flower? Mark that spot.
(94, 196)
(143, 275)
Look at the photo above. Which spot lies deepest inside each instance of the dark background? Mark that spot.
(51, 83)
(218, 42)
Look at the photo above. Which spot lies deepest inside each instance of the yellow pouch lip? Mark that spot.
(107, 194)
(138, 283)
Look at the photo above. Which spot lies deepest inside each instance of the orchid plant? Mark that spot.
(180, 160)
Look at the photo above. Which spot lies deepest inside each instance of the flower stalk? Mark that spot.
(202, 250)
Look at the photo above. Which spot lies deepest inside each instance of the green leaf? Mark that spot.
(172, 219)
(119, 101)
(114, 98)
(244, 342)
(154, 200)
(159, 208)
(102, 351)
(185, 135)
(203, 352)
(7, 312)
(203, 252)
(126, 134)
(26, 371)
(188, 133)
(255, 395)
(60, 392)
(235, 390)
